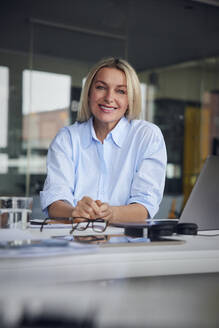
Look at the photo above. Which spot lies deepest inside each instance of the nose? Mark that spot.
(108, 96)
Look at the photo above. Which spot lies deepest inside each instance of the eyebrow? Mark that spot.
(119, 85)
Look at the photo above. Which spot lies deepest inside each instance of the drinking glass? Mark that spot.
(15, 211)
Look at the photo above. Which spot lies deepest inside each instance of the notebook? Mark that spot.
(202, 206)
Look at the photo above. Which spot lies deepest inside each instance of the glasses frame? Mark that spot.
(87, 223)
(54, 219)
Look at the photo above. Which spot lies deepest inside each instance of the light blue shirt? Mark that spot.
(128, 167)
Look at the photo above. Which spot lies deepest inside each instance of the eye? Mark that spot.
(100, 87)
(121, 91)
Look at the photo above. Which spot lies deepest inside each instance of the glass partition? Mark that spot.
(39, 94)
(4, 92)
(184, 101)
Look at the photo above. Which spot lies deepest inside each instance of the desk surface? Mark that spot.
(196, 254)
(119, 286)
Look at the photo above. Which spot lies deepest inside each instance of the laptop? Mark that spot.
(202, 207)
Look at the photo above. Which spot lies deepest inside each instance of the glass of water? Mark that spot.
(15, 212)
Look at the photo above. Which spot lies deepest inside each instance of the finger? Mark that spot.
(78, 219)
(104, 207)
(87, 213)
(81, 211)
(91, 212)
(98, 202)
(85, 205)
(91, 203)
(104, 210)
(78, 212)
(108, 217)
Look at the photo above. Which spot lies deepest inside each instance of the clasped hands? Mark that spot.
(93, 209)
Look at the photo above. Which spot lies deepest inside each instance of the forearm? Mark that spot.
(60, 209)
(126, 213)
(86, 208)
(129, 213)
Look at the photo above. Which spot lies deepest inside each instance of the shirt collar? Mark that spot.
(86, 134)
(118, 134)
(120, 131)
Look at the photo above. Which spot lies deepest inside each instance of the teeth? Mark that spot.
(107, 108)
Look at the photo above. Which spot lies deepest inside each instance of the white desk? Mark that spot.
(197, 255)
(164, 286)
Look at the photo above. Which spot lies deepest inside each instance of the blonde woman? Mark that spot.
(108, 164)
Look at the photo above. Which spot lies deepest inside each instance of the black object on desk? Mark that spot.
(186, 228)
(161, 229)
(153, 229)
(132, 229)
(156, 229)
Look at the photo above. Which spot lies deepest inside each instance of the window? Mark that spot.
(46, 101)
(4, 92)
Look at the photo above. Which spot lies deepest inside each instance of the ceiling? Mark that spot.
(149, 33)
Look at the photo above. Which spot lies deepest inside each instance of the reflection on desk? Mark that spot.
(140, 285)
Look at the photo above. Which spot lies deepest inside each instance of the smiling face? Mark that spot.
(108, 99)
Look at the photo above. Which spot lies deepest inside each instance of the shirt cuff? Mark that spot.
(48, 197)
(152, 210)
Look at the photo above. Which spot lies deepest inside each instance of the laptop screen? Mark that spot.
(202, 206)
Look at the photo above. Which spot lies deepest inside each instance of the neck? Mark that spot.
(102, 129)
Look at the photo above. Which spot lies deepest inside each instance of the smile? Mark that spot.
(107, 109)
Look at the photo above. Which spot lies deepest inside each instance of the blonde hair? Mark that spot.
(133, 89)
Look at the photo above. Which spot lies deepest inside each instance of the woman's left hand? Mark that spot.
(105, 210)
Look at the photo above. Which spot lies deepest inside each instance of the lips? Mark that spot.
(107, 109)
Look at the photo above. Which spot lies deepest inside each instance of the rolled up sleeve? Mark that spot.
(149, 179)
(59, 184)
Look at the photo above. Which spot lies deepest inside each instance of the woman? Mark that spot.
(108, 164)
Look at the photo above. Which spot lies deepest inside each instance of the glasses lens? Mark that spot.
(99, 225)
(80, 224)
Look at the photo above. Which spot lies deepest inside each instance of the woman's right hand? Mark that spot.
(86, 208)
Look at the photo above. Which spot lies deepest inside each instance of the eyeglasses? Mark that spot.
(79, 223)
